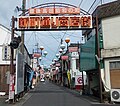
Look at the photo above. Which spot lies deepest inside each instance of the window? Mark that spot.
(115, 65)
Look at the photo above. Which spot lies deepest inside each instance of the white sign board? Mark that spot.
(78, 80)
(19, 84)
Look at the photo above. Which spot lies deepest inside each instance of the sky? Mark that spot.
(50, 40)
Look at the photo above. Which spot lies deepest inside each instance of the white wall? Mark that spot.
(5, 38)
(107, 71)
(107, 74)
(111, 32)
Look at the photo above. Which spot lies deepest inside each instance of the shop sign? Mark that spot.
(74, 54)
(51, 11)
(78, 80)
(36, 55)
(73, 49)
(64, 57)
(54, 22)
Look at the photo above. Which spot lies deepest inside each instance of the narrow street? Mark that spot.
(74, 44)
(48, 94)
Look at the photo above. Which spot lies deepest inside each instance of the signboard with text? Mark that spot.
(78, 80)
(73, 49)
(64, 57)
(19, 80)
(54, 22)
(53, 10)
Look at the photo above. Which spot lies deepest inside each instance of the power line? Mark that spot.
(92, 5)
(46, 44)
(29, 38)
(53, 36)
(80, 3)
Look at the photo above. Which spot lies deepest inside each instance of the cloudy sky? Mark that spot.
(50, 40)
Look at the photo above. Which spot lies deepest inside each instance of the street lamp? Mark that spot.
(45, 53)
(41, 48)
(62, 46)
(60, 50)
(67, 40)
(40, 58)
(54, 60)
(57, 55)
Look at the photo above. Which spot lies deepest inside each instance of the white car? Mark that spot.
(42, 80)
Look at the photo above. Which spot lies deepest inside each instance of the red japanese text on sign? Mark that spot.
(55, 22)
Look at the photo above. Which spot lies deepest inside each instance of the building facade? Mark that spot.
(5, 54)
(109, 47)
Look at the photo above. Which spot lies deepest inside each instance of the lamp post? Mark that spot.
(62, 47)
(67, 40)
(60, 51)
(40, 58)
(57, 55)
(41, 48)
(45, 53)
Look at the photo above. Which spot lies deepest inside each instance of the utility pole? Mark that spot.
(37, 52)
(22, 32)
(98, 54)
(12, 70)
(12, 50)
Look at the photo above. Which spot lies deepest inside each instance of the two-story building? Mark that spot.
(21, 63)
(109, 46)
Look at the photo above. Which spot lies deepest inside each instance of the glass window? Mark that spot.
(115, 65)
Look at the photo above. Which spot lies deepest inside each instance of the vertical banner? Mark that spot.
(11, 87)
(78, 82)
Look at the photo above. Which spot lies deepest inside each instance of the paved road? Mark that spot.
(48, 94)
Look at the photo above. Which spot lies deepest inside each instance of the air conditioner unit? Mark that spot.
(115, 95)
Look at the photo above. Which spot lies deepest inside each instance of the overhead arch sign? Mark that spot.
(54, 19)
(56, 22)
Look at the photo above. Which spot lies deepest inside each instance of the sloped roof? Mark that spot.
(108, 10)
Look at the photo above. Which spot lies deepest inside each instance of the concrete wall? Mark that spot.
(111, 32)
(74, 71)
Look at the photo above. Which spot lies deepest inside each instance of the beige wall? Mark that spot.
(111, 32)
